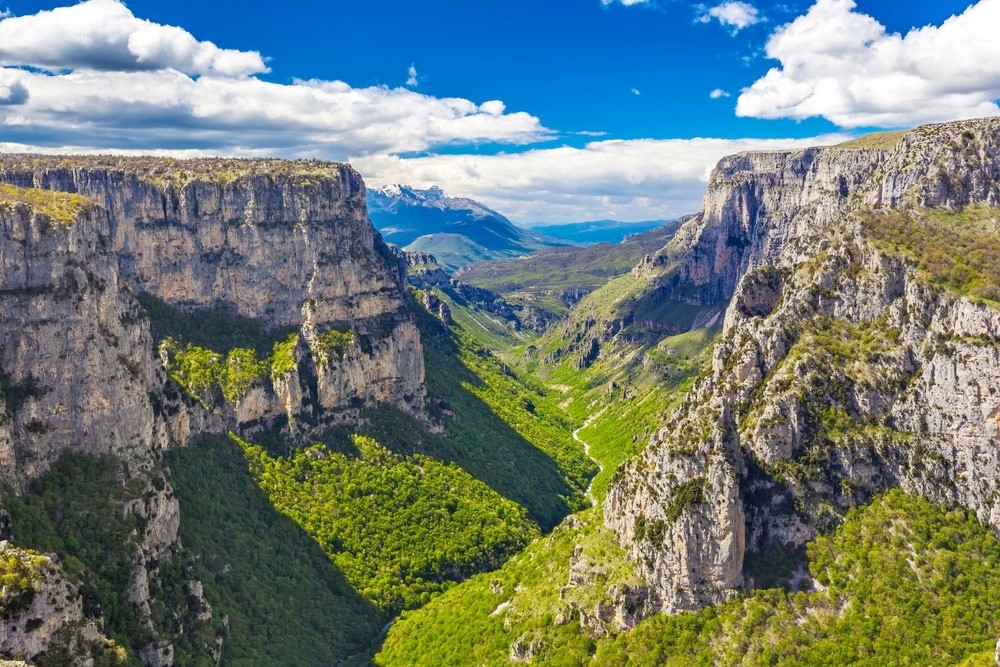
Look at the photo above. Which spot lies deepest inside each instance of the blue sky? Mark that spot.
(548, 111)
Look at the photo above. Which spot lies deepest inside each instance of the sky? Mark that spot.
(546, 110)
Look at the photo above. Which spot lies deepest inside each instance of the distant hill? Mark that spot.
(545, 284)
(457, 230)
(596, 231)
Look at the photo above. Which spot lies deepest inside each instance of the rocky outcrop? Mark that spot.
(79, 373)
(842, 370)
(42, 613)
(286, 243)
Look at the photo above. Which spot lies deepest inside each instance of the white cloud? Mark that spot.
(625, 180)
(627, 3)
(636, 92)
(842, 65)
(719, 92)
(109, 80)
(328, 119)
(411, 79)
(733, 15)
(105, 35)
(4, 13)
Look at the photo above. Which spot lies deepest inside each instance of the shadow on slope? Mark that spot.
(497, 427)
(285, 601)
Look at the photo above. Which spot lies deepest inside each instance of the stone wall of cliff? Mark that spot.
(842, 371)
(286, 243)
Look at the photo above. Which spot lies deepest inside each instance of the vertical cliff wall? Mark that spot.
(286, 243)
(843, 368)
(87, 244)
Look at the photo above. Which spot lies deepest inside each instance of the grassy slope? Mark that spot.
(957, 250)
(476, 622)
(928, 600)
(533, 280)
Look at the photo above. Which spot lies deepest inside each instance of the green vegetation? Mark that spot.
(77, 510)
(334, 343)
(215, 329)
(686, 494)
(205, 374)
(529, 601)
(904, 582)
(285, 601)
(957, 250)
(498, 426)
(62, 207)
(884, 140)
(20, 574)
(399, 528)
(542, 280)
(283, 360)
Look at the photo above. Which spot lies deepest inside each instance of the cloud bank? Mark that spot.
(105, 35)
(625, 180)
(94, 74)
(842, 65)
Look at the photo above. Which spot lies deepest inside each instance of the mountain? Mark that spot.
(456, 230)
(544, 285)
(595, 231)
(221, 360)
(824, 489)
(231, 432)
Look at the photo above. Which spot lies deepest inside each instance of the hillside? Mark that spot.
(809, 497)
(458, 231)
(221, 360)
(544, 285)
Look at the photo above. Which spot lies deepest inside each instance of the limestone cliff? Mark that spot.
(286, 243)
(79, 372)
(844, 369)
(85, 243)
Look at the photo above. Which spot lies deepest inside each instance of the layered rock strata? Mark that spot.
(842, 371)
(286, 243)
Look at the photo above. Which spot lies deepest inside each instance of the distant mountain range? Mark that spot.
(456, 230)
(595, 231)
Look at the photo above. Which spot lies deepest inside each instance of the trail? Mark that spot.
(586, 450)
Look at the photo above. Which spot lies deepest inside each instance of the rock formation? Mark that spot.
(286, 244)
(843, 369)
(42, 613)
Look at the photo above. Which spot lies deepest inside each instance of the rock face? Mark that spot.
(43, 613)
(288, 244)
(842, 370)
(79, 372)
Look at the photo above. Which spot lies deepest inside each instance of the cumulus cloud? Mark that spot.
(732, 15)
(105, 35)
(639, 179)
(94, 74)
(842, 65)
(4, 13)
(328, 119)
(627, 3)
(411, 79)
(717, 93)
